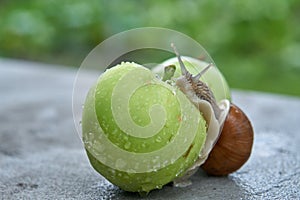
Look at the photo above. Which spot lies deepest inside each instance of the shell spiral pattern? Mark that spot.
(139, 132)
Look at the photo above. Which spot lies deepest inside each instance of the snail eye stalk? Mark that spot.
(182, 67)
(197, 77)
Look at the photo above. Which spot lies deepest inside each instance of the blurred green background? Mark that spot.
(255, 43)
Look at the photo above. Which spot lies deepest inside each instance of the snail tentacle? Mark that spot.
(184, 71)
(198, 76)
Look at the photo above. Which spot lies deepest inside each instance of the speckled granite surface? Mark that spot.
(41, 156)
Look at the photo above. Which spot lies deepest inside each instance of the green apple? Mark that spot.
(139, 132)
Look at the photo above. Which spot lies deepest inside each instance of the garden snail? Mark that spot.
(141, 132)
(234, 145)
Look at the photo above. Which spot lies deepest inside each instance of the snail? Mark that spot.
(141, 132)
(234, 145)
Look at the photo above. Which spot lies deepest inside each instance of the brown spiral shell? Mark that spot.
(234, 145)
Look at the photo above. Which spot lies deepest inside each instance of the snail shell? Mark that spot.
(234, 145)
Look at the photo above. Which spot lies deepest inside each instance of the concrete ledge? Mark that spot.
(41, 156)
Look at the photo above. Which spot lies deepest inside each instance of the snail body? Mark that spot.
(233, 147)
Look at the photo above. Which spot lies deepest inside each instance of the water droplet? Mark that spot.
(80, 123)
(98, 147)
(127, 145)
(103, 160)
(178, 173)
(114, 132)
(157, 166)
(95, 123)
(131, 171)
(173, 160)
(174, 92)
(113, 171)
(158, 139)
(99, 130)
(82, 106)
(137, 165)
(120, 163)
(158, 187)
(100, 137)
(165, 163)
(183, 183)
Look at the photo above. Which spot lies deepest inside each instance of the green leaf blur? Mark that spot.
(256, 44)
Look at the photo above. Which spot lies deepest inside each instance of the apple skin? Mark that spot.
(105, 142)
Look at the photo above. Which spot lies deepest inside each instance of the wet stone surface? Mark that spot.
(41, 156)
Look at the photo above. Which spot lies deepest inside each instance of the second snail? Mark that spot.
(141, 131)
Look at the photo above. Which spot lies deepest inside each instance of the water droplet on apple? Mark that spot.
(127, 145)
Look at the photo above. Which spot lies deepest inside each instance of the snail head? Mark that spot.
(194, 88)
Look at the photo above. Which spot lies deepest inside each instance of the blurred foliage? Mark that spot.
(256, 44)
